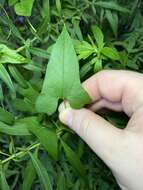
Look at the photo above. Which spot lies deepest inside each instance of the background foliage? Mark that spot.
(36, 150)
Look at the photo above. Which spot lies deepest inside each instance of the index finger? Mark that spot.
(125, 87)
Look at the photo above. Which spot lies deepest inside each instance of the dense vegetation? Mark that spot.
(36, 150)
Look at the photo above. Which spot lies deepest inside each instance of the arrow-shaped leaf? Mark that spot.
(62, 78)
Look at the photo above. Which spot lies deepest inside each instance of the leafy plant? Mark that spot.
(98, 52)
(42, 65)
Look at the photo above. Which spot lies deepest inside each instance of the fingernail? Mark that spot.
(66, 116)
(64, 105)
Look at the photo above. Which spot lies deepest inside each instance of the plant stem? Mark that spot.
(20, 153)
(3, 153)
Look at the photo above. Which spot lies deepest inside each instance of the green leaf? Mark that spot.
(6, 116)
(62, 78)
(24, 105)
(84, 49)
(110, 53)
(41, 172)
(6, 78)
(73, 159)
(61, 181)
(47, 137)
(8, 55)
(86, 68)
(8, 22)
(98, 65)
(29, 176)
(58, 6)
(1, 93)
(39, 52)
(12, 2)
(45, 12)
(113, 21)
(19, 128)
(29, 93)
(24, 7)
(98, 35)
(17, 76)
(3, 183)
(112, 5)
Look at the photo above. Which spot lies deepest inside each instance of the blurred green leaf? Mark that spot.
(17, 76)
(47, 137)
(110, 53)
(39, 52)
(24, 105)
(6, 78)
(3, 183)
(12, 2)
(61, 181)
(111, 5)
(8, 55)
(24, 7)
(98, 65)
(113, 21)
(6, 116)
(98, 35)
(41, 172)
(29, 175)
(84, 49)
(19, 128)
(74, 159)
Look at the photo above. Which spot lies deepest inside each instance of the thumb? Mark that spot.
(99, 134)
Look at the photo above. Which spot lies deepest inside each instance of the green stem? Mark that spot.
(3, 153)
(20, 153)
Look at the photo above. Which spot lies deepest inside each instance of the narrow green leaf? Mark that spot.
(39, 52)
(73, 159)
(6, 116)
(3, 183)
(19, 128)
(110, 53)
(17, 76)
(46, 18)
(113, 21)
(62, 78)
(61, 181)
(41, 172)
(29, 176)
(1, 93)
(86, 68)
(8, 22)
(111, 5)
(98, 35)
(98, 65)
(58, 6)
(6, 78)
(47, 137)
(8, 55)
(24, 7)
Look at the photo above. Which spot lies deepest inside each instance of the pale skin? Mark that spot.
(120, 149)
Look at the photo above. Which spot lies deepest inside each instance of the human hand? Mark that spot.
(120, 149)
